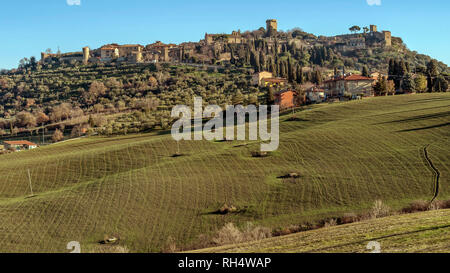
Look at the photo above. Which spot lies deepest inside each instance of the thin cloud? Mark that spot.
(374, 2)
(74, 2)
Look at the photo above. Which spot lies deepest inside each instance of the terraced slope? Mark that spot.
(426, 232)
(348, 155)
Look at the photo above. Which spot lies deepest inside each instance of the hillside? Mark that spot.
(134, 92)
(426, 232)
(348, 155)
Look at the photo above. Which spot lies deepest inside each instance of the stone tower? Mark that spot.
(166, 54)
(86, 55)
(43, 56)
(373, 28)
(272, 27)
(387, 38)
(208, 39)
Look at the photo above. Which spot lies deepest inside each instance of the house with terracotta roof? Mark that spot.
(349, 85)
(286, 98)
(315, 94)
(114, 51)
(19, 145)
(108, 52)
(259, 76)
(274, 82)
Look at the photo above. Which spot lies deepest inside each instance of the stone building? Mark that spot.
(132, 53)
(234, 38)
(126, 51)
(271, 27)
(274, 82)
(86, 54)
(286, 98)
(376, 38)
(349, 85)
(315, 94)
(258, 77)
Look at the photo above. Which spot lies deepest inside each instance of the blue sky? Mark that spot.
(28, 27)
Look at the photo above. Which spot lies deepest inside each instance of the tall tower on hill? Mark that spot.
(86, 55)
(272, 27)
(373, 28)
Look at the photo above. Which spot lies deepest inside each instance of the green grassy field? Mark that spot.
(425, 232)
(348, 155)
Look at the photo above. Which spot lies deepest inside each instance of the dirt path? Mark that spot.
(436, 173)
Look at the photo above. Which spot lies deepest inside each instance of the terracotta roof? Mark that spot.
(131, 45)
(357, 78)
(274, 79)
(285, 91)
(108, 48)
(20, 142)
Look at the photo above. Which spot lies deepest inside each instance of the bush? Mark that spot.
(416, 206)
(225, 209)
(259, 154)
(446, 204)
(110, 249)
(57, 136)
(379, 209)
(230, 234)
(348, 218)
(171, 246)
(256, 233)
(330, 223)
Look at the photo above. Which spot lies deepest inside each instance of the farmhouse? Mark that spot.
(20, 145)
(109, 52)
(285, 99)
(129, 52)
(352, 85)
(258, 77)
(316, 94)
(274, 82)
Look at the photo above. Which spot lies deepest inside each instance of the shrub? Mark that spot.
(446, 204)
(171, 246)
(110, 249)
(416, 206)
(230, 234)
(57, 136)
(330, 223)
(348, 218)
(256, 233)
(379, 209)
(259, 154)
(225, 209)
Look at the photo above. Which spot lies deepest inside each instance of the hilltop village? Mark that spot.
(260, 49)
(216, 48)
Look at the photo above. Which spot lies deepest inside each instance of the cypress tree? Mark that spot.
(432, 73)
(365, 72)
(300, 77)
(270, 96)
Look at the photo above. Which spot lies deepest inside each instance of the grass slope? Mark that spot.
(349, 154)
(426, 232)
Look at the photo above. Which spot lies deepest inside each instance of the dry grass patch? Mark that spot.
(230, 234)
